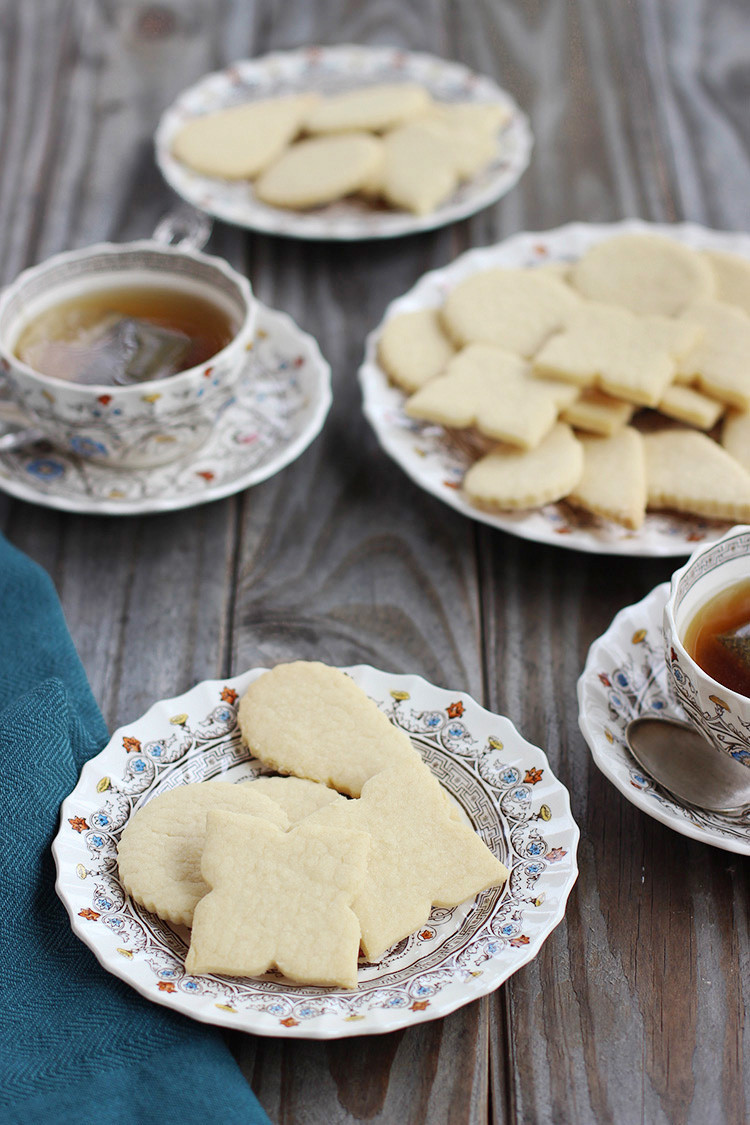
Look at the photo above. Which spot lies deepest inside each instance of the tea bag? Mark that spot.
(125, 349)
(737, 644)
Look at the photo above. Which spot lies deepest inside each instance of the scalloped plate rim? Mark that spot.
(374, 384)
(652, 601)
(370, 1024)
(351, 228)
(19, 488)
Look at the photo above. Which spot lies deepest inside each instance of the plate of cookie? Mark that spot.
(585, 386)
(343, 143)
(386, 852)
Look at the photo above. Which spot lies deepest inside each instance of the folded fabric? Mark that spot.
(78, 1044)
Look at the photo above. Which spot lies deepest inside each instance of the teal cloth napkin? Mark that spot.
(78, 1044)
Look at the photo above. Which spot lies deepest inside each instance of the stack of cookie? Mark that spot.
(390, 143)
(597, 382)
(285, 872)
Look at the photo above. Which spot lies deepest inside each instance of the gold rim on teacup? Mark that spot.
(143, 424)
(718, 712)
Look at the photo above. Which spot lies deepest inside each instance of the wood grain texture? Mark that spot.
(636, 1008)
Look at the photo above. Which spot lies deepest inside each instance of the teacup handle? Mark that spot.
(186, 227)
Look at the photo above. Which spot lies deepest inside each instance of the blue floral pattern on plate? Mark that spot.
(502, 785)
(626, 676)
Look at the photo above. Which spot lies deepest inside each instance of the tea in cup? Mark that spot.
(707, 641)
(126, 354)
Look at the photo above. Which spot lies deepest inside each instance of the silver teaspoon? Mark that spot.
(684, 762)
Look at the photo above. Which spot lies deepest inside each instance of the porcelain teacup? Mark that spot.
(142, 424)
(720, 714)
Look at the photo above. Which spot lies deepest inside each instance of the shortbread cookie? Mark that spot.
(418, 170)
(687, 471)
(279, 900)
(514, 309)
(511, 480)
(688, 405)
(735, 437)
(561, 395)
(558, 270)
(718, 363)
(313, 721)
(490, 389)
(732, 276)
(420, 855)
(370, 108)
(598, 413)
(483, 118)
(240, 142)
(645, 273)
(297, 796)
(613, 484)
(629, 357)
(159, 854)
(470, 130)
(317, 171)
(413, 348)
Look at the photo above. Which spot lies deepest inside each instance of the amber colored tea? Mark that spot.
(126, 335)
(718, 637)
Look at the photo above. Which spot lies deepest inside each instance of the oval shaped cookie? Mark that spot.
(317, 171)
(372, 108)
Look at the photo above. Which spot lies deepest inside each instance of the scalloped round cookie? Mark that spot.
(511, 480)
(646, 273)
(297, 796)
(515, 309)
(159, 854)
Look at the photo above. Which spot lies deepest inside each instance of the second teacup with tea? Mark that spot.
(707, 641)
(126, 354)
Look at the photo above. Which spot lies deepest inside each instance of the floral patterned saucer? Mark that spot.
(280, 406)
(330, 70)
(437, 463)
(626, 676)
(503, 786)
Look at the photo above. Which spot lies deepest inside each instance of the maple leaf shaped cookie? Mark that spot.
(313, 721)
(279, 900)
(515, 309)
(631, 357)
(159, 854)
(718, 363)
(492, 390)
(420, 856)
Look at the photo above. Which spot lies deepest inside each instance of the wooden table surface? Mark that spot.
(636, 1008)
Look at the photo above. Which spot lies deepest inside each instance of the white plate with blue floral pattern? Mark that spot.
(436, 461)
(281, 403)
(331, 70)
(502, 784)
(626, 676)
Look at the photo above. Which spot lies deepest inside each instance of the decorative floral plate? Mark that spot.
(331, 70)
(437, 463)
(281, 404)
(503, 786)
(626, 676)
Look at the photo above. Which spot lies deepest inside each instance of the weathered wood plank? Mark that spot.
(636, 1008)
